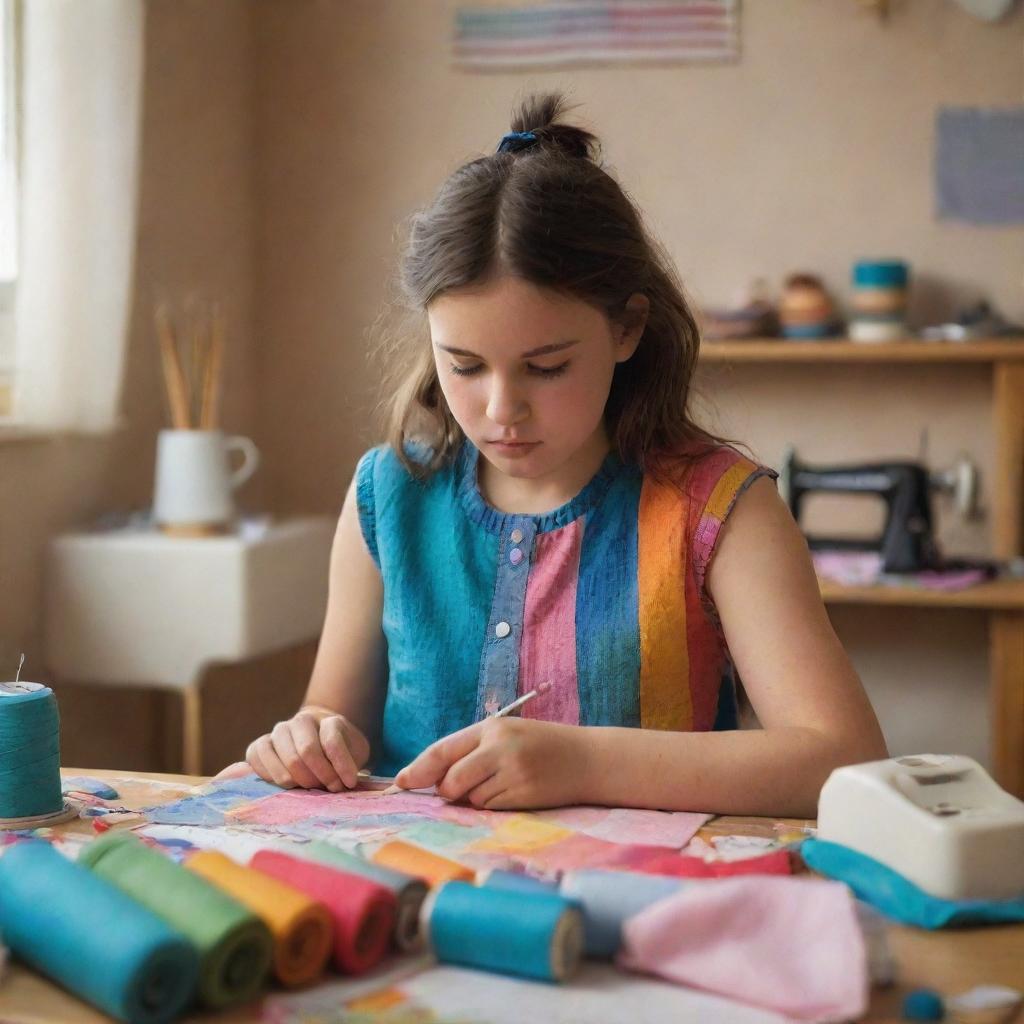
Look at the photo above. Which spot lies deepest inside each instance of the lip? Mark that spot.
(514, 447)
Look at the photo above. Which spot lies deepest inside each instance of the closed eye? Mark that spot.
(548, 371)
(465, 371)
(538, 371)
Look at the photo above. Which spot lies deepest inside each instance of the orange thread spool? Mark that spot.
(420, 863)
(301, 926)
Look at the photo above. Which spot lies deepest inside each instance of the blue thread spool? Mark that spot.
(609, 899)
(533, 935)
(91, 938)
(512, 881)
(30, 791)
(923, 1004)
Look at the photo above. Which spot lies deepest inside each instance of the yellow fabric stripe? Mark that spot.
(662, 563)
(725, 490)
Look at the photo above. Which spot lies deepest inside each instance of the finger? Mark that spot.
(255, 762)
(503, 800)
(234, 771)
(467, 773)
(334, 742)
(306, 736)
(487, 791)
(284, 746)
(273, 770)
(430, 767)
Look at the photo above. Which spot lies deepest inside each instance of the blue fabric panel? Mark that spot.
(607, 608)
(979, 165)
(498, 678)
(438, 569)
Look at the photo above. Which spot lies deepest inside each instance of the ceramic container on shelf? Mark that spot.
(879, 301)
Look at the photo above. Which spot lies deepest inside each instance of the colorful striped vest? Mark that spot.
(603, 597)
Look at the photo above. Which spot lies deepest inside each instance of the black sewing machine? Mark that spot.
(907, 543)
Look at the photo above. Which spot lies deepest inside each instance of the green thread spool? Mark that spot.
(30, 794)
(235, 947)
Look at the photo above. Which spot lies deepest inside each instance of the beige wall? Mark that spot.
(195, 231)
(813, 151)
(283, 141)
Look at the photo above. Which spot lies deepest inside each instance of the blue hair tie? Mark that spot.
(512, 142)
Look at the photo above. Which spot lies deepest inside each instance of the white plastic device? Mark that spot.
(939, 820)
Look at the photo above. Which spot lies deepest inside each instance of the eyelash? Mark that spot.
(548, 372)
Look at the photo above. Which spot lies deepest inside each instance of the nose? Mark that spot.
(506, 405)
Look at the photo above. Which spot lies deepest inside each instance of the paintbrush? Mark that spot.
(508, 709)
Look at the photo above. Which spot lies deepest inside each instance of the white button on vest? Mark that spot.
(502, 630)
(516, 535)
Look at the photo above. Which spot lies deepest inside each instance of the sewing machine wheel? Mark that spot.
(961, 481)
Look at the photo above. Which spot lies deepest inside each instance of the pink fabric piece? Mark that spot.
(548, 651)
(792, 945)
(655, 861)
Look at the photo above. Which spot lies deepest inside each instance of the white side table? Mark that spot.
(137, 608)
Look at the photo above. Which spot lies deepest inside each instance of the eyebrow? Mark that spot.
(544, 350)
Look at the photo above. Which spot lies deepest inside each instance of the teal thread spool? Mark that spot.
(30, 794)
(92, 938)
(235, 947)
(533, 935)
(409, 892)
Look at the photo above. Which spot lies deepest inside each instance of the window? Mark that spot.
(8, 194)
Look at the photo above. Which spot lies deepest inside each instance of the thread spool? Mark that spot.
(363, 911)
(409, 891)
(234, 946)
(610, 898)
(532, 935)
(420, 863)
(30, 793)
(301, 926)
(137, 968)
(513, 881)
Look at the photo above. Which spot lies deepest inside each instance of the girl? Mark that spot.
(547, 512)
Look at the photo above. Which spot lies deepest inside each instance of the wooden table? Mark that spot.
(948, 961)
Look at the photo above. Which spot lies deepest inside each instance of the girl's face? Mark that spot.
(527, 371)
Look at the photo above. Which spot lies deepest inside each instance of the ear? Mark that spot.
(629, 327)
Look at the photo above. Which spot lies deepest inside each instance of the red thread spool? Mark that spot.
(363, 912)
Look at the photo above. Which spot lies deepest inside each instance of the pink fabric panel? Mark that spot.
(793, 945)
(548, 652)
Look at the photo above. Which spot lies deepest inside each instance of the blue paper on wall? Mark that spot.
(979, 165)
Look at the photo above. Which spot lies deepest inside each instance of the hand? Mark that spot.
(504, 763)
(314, 749)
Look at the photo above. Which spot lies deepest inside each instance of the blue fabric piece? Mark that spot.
(896, 896)
(978, 159)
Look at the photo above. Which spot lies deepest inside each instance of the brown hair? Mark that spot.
(547, 213)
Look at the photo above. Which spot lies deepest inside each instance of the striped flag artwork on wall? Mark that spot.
(596, 32)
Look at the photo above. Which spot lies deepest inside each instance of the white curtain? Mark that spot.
(81, 104)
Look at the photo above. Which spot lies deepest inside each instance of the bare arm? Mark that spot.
(350, 670)
(813, 710)
(328, 739)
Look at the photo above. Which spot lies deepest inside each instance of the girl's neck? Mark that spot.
(538, 495)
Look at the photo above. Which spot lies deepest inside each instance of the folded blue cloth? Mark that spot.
(896, 897)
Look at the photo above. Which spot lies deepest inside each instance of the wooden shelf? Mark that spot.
(996, 595)
(781, 350)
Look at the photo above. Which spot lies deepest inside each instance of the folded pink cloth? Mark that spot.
(793, 945)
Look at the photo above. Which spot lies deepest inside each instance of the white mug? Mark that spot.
(194, 479)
